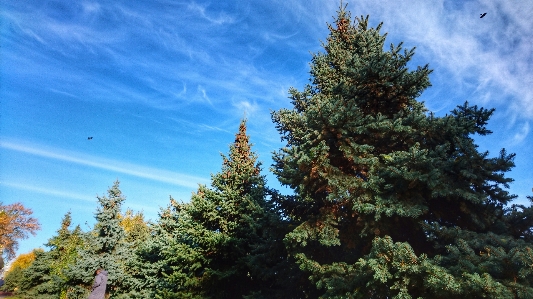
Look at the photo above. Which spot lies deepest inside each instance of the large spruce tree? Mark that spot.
(393, 201)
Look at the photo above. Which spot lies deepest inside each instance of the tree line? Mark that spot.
(389, 201)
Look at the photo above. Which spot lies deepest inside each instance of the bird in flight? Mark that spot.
(89, 138)
(482, 15)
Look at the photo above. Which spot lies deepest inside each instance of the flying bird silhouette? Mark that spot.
(482, 15)
(89, 138)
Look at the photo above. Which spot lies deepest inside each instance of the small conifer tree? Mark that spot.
(46, 277)
(104, 247)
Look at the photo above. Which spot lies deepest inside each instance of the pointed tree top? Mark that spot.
(240, 167)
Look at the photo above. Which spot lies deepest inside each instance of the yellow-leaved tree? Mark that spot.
(15, 223)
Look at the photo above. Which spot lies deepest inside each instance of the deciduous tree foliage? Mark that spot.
(135, 227)
(15, 223)
(395, 202)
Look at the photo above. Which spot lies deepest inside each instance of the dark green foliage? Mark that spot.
(227, 242)
(217, 231)
(12, 279)
(519, 221)
(65, 271)
(39, 281)
(137, 233)
(395, 202)
(150, 264)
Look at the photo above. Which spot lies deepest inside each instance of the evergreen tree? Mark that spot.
(104, 247)
(394, 202)
(152, 262)
(46, 278)
(138, 279)
(217, 243)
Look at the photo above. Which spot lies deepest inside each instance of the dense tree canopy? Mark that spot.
(46, 277)
(14, 277)
(394, 201)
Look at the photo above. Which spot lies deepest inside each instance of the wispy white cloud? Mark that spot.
(47, 191)
(203, 94)
(521, 135)
(221, 18)
(213, 128)
(494, 53)
(248, 108)
(149, 173)
(130, 46)
(199, 127)
(274, 37)
(68, 94)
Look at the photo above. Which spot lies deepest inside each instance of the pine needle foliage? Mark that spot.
(106, 247)
(220, 244)
(46, 277)
(393, 201)
(14, 277)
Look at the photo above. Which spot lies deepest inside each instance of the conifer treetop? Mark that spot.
(240, 169)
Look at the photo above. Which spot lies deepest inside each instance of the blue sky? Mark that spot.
(162, 85)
